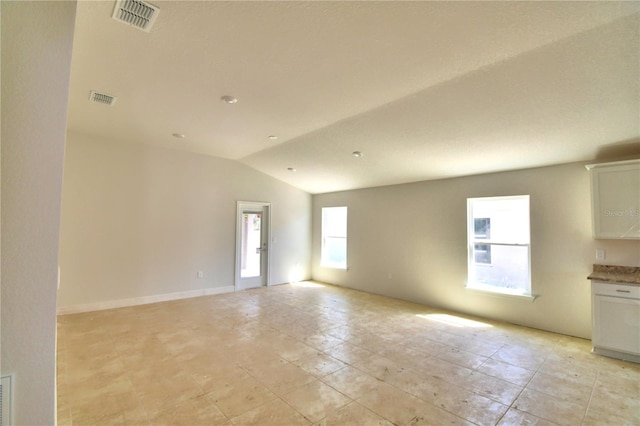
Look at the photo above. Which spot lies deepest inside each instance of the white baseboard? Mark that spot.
(122, 303)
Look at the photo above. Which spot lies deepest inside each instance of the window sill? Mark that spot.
(339, 267)
(525, 296)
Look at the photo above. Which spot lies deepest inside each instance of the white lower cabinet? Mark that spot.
(616, 320)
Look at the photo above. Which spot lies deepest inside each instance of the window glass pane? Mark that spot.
(508, 269)
(250, 259)
(334, 221)
(334, 237)
(335, 250)
(508, 218)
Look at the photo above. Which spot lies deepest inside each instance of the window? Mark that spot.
(334, 237)
(499, 244)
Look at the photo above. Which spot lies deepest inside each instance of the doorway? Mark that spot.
(252, 245)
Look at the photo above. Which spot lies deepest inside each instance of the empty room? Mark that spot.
(320, 213)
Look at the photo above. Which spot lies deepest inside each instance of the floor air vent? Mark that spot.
(101, 98)
(5, 400)
(136, 13)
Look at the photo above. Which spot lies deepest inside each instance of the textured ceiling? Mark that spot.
(425, 90)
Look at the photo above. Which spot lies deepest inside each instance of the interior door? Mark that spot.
(252, 257)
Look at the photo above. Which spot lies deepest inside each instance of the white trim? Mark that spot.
(616, 354)
(144, 300)
(497, 292)
(612, 163)
(8, 405)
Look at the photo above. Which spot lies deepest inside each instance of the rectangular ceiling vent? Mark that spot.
(136, 13)
(101, 98)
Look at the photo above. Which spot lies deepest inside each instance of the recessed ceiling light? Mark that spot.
(357, 154)
(178, 135)
(272, 137)
(291, 169)
(229, 99)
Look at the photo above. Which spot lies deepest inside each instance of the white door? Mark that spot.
(252, 245)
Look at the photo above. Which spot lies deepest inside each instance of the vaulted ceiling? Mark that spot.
(425, 90)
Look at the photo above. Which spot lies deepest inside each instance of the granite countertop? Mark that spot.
(616, 274)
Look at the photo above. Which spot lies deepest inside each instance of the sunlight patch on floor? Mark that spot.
(454, 320)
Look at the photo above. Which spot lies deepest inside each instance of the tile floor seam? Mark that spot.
(137, 394)
(351, 400)
(444, 409)
(593, 388)
(357, 400)
(210, 397)
(421, 399)
(494, 352)
(522, 390)
(296, 410)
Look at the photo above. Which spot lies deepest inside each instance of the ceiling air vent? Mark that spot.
(136, 13)
(101, 98)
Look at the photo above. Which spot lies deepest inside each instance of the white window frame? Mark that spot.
(473, 240)
(324, 261)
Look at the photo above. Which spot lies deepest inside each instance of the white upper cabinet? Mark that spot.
(615, 196)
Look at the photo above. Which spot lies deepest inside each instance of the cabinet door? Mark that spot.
(616, 324)
(616, 201)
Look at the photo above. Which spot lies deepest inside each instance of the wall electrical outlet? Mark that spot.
(601, 254)
(200, 274)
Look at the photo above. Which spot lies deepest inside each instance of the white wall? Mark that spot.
(36, 56)
(417, 233)
(140, 221)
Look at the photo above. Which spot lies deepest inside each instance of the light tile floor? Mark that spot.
(324, 355)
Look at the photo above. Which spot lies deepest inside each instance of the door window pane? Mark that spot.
(251, 245)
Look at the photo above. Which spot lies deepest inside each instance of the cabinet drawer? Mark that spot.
(616, 290)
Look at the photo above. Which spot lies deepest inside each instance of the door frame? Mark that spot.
(240, 206)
